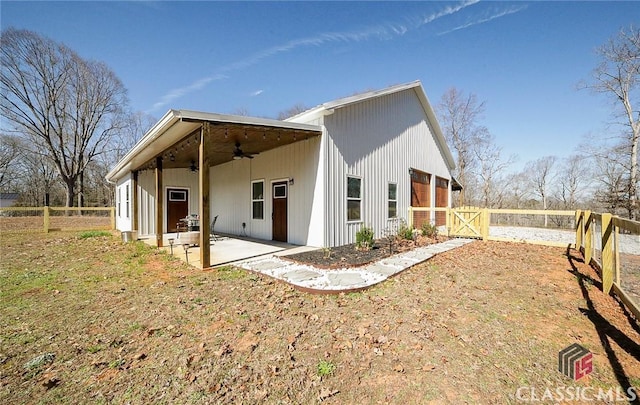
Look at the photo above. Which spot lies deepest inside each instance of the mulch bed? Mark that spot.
(349, 256)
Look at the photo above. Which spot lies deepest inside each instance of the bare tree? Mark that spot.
(9, 155)
(517, 186)
(40, 180)
(459, 115)
(491, 168)
(618, 76)
(66, 106)
(574, 181)
(540, 173)
(290, 112)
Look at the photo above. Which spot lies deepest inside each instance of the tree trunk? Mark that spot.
(70, 184)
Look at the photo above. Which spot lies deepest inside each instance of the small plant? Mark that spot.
(405, 232)
(117, 363)
(93, 234)
(429, 230)
(326, 253)
(94, 349)
(325, 368)
(364, 238)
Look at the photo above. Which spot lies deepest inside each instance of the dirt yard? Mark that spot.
(94, 320)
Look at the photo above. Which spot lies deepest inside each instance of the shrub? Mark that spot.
(405, 232)
(429, 230)
(364, 238)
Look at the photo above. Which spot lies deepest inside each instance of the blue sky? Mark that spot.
(524, 59)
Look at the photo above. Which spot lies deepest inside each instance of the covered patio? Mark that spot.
(193, 140)
(227, 249)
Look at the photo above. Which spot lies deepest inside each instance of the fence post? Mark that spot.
(45, 211)
(608, 268)
(616, 250)
(579, 228)
(448, 220)
(112, 214)
(484, 225)
(587, 237)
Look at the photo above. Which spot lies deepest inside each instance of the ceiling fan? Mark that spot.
(193, 166)
(239, 154)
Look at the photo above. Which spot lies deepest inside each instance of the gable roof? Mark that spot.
(328, 108)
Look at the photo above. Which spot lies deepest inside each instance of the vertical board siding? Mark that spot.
(231, 191)
(379, 140)
(171, 178)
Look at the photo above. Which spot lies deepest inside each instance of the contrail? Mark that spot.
(383, 32)
(484, 20)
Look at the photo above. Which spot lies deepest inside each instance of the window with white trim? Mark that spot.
(354, 198)
(119, 200)
(126, 199)
(392, 200)
(257, 199)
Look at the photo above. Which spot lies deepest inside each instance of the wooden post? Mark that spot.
(608, 266)
(112, 215)
(579, 228)
(134, 202)
(46, 219)
(616, 249)
(410, 219)
(448, 220)
(484, 225)
(159, 202)
(203, 185)
(588, 230)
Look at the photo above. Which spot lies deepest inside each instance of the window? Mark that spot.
(177, 195)
(392, 205)
(257, 199)
(354, 199)
(126, 199)
(280, 191)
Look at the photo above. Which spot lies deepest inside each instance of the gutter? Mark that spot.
(166, 122)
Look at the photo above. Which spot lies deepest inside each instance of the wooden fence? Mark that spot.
(597, 236)
(46, 219)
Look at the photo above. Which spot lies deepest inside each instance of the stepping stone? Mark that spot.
(346, 280)
(300, 275)
(265, 265)
(381, 269)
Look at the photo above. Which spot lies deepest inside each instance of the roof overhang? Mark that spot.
(175, 139)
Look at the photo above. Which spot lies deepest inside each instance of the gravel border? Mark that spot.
(629, 244)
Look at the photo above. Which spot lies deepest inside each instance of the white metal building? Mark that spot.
(314, 179)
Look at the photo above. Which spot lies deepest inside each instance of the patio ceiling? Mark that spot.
(222, 142)
(175, 140)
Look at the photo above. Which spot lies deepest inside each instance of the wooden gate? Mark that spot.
(467, 222)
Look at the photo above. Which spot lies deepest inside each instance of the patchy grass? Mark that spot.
(122, 323)
(93, 234)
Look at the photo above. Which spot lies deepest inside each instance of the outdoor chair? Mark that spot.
(212, 234)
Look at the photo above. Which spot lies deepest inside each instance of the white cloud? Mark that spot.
(256, 93)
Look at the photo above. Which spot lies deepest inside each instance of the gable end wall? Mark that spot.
(379, 140)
